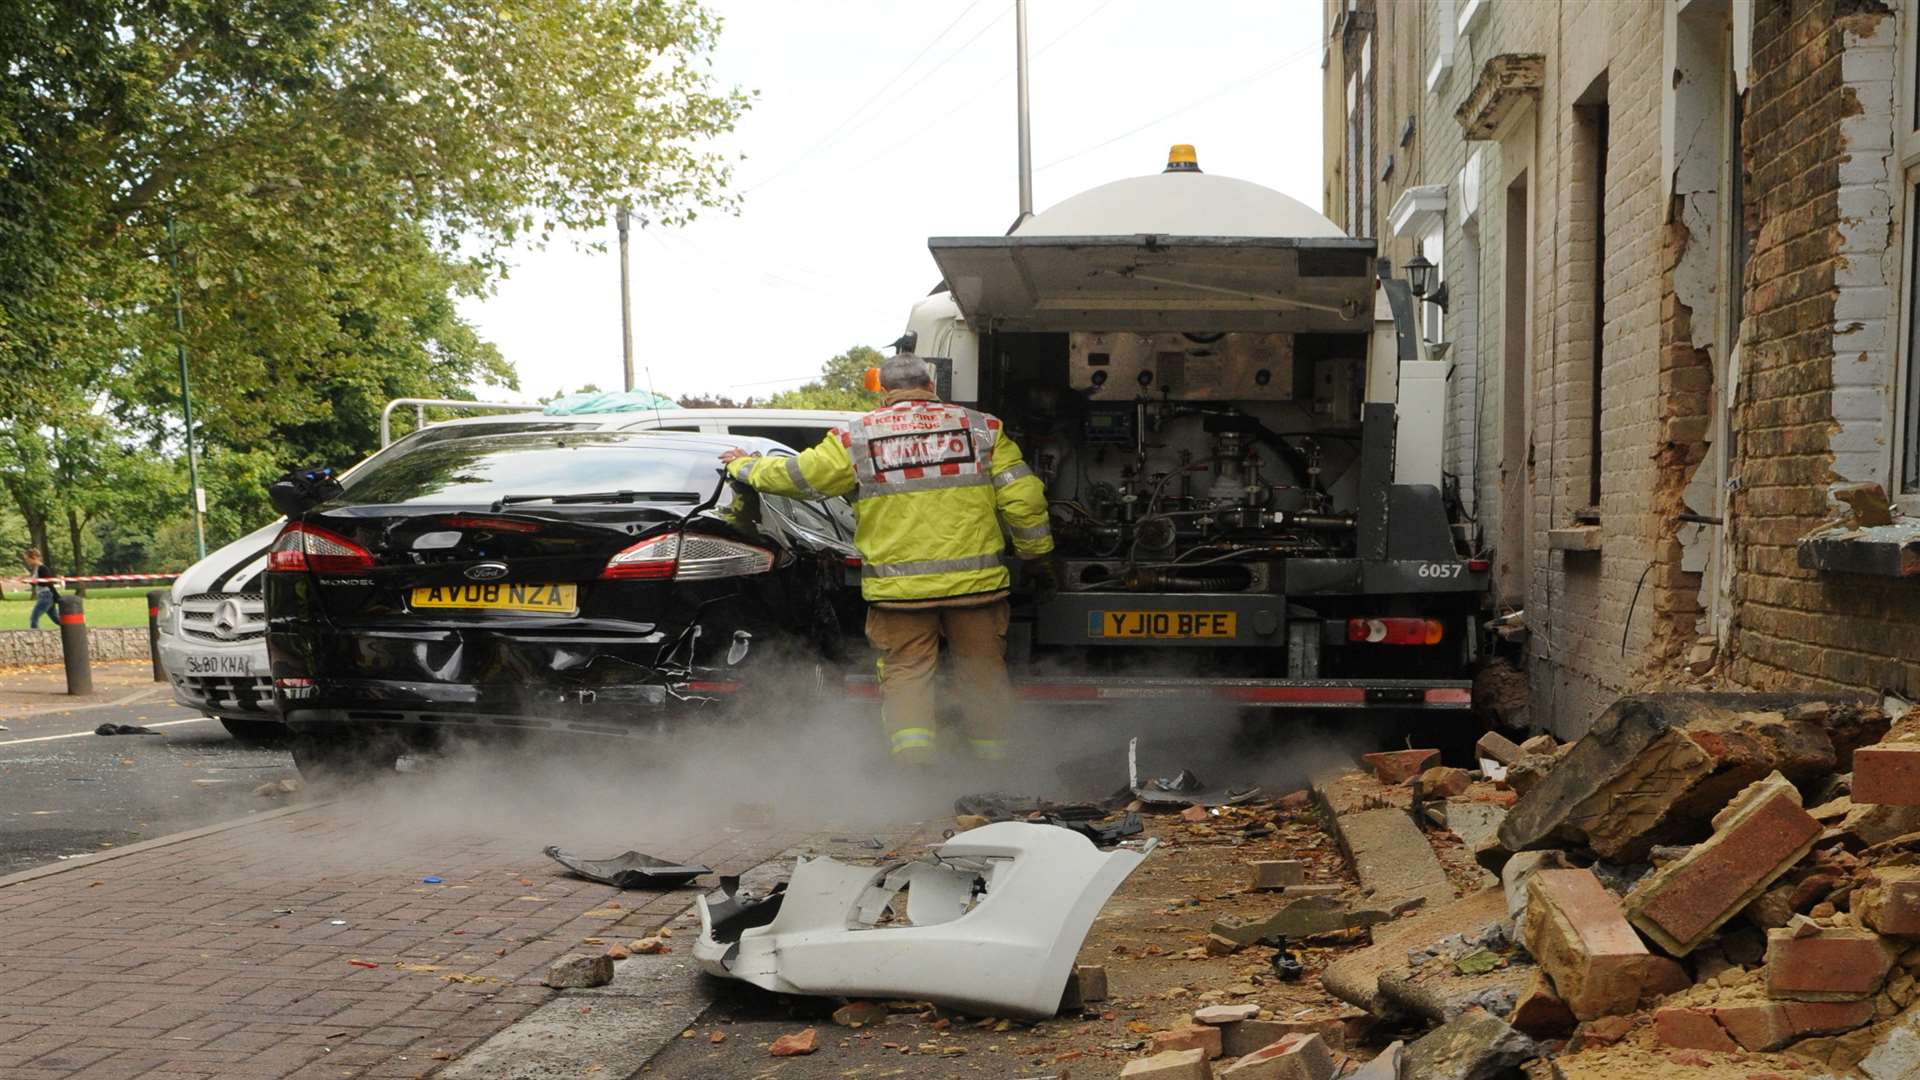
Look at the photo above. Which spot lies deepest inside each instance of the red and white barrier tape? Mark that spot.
(101, 577)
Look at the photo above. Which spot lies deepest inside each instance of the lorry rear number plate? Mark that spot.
(545, 599)
(1162, 624)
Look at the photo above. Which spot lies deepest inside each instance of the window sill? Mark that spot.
(1890, 551)
(1574, 538)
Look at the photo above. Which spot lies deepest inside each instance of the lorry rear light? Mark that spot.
(1395, 631)
(1450, 695)
(303, 547)
(686, 558)
(1479, 566)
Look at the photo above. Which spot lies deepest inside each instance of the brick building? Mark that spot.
(1676, 239)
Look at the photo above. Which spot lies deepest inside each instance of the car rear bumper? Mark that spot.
(1441, 695)
(607, 709)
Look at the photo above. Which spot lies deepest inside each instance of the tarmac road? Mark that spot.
(65, 791)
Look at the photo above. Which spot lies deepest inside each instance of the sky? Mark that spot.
(879, 124)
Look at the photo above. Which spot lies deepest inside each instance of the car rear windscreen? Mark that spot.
(487, 468)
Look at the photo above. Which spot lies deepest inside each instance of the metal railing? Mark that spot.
(420, 411)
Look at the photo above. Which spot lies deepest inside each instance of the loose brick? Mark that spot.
(1575, 930)
(1443, 781)
(1276, 873)
(1836, 964)
(1224, 1014)
(1757, 837)
(1246, 1036)
(1299, 1056)
(1887, 774)
(1498, 748)
(1888, 899)
(1540, 1013)
(1400, 766)
(1769, 1025)
(1191, 1037)
(796, 1044)
(1692, 1029)
(1540, 745)
(1170, 1065)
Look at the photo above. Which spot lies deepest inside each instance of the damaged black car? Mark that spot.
(580, 583)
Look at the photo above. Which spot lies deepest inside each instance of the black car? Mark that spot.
(589, 582)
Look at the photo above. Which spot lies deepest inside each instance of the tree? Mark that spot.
(319, 179)
(842, 385)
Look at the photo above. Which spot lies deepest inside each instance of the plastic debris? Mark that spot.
(1183, 788)
(627, 870)
(123, 729)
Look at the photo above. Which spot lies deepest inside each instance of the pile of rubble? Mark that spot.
(1723, 885)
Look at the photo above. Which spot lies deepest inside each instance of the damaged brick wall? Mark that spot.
(1686, 419)
(1816, 350)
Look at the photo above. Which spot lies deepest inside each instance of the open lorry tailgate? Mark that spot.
(1160, 283)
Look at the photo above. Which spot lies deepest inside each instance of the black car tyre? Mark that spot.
(256, 732)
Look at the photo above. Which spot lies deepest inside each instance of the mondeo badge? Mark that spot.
(487, 571)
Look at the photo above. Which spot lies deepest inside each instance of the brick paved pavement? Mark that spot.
(173, 961)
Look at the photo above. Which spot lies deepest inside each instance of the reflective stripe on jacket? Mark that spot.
(932, 483)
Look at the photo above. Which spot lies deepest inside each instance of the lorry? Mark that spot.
(1240, 432)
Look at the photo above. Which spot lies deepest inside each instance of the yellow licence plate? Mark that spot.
(1162, 624)
(500, 596)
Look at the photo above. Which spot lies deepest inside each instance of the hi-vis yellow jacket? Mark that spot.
(932, 482)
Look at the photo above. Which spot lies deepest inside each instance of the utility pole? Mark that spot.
(195, 496)
(1020, 92)
(620, 219)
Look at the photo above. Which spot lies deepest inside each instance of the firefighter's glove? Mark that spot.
(1042, 577)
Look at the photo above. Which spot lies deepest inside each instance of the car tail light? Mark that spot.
(308, 547)
(1395, 631)
(488, 524)
(1479, 566)
(687, 558)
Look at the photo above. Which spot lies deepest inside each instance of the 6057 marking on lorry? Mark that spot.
(1163, 624)
(1440, 570)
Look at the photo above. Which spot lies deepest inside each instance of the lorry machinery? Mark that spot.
(1240, 432)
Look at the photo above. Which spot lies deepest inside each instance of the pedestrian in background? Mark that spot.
(45, 596)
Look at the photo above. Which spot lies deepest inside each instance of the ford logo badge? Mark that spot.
(487, 571)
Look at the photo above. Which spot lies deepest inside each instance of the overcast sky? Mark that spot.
(857, 151)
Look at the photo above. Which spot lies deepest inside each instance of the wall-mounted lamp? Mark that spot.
(1420, 280)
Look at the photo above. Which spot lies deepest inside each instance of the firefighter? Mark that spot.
(932, 483)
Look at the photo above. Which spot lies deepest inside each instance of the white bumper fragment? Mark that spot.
(989, 924)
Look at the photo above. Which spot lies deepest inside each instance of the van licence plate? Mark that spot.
(1162, 624)
(500, 596)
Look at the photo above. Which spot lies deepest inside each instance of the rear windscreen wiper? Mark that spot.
(599, 497)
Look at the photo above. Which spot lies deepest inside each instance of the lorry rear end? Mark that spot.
(1240, 440)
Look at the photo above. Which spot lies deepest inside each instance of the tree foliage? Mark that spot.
(319, 179)
(842, 384)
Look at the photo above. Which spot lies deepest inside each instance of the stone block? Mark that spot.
(1299, 1056)
(1093, 981)
(1391, 856)
(1245, 1036)
(578, 970)
(1757, 837)
(1199, 1037)
(1545, 745)
(1400, 766)
(1224, 1014)
(1474, 1045)
(1828, 964)
(1276, 873)
(1888, 900)
(1170, 1065)
(1887, 774)
(1575, 930)
(1309, 916)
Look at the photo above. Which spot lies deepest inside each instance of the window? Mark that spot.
(795, 437)
(485, 468)
(1433, 318)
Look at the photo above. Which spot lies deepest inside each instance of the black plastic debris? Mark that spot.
(1287, 966)
(731, 912)
(1183, 788)
(628, 870)
(123, 729)
(1103, 835)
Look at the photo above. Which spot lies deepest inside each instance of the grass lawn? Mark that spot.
(105, 607)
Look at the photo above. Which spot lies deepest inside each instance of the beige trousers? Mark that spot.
(909, 640)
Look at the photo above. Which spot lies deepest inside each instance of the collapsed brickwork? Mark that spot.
(1688, 232)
